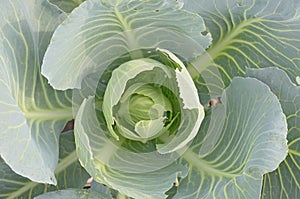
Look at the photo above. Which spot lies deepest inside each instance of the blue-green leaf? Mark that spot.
(67, 5)
(98, 32)
(252, 33)
(244, 138)
(283, 182)
(32, 114)
(69, 173)
(74, 194)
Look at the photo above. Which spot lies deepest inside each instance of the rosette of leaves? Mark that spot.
(138, 71)
(141, 123)
(144, 109)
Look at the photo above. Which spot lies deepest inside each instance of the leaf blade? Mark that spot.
(283, 181)
(36, 113)
(73, 193)
(119, 29)
(246, 34)
(69, 173)
(249, 145)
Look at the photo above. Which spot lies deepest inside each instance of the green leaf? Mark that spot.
(283, 182)
(69, 173)
(193, 110)
(254, 34)
(98, 32)
(95, 186)
(32, 114)
(74, 194)
(243, 138)
(67, 5)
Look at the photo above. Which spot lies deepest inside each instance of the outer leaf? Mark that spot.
(67, 5)
(246, 33)
(98, 32)
(284, 182)
(74, 194)
(69, 172)
(32, 114)
(95, 186)
(254, 33)
(245, 138)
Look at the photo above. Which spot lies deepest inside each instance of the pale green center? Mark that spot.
(148, 110)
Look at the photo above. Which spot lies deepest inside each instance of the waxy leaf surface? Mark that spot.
(32, 114)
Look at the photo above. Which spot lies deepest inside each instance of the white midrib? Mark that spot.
(129, 34)
(48, 114)
(203, 166)
(206, 59)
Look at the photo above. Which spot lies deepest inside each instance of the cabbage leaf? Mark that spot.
(32, 113)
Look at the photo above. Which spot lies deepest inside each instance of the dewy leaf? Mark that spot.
(252, 33)
(74, 194)
(98, 32)
(32, 114)
(251, 143)
(284, 182)
(69, 173)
